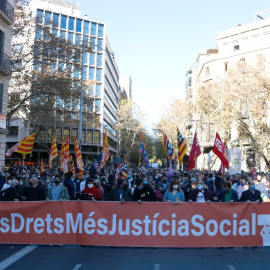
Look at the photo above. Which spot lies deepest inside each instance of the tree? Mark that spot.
(45, 85)
(238, 103)
(129, 125)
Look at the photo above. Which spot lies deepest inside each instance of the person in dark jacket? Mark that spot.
(143, 192)
(13, 193)
(252, 194)
(34, 192)
(200, 194)
(121, 192)
(227, 194)
(90, 192)
(68, 183)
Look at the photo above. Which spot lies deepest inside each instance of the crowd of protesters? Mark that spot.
(31, 184)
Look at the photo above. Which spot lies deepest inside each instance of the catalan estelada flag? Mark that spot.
(182, 146)
(168, 148)
(105, 151)
(124, 171)
(25, 146)
(72, 168)
(53, 152)
(78, 156)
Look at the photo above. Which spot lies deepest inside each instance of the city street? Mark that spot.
(76, 257)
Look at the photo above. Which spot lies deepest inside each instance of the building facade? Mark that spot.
(242, 45)
(65, 21)
(126, 87)
(6, 32)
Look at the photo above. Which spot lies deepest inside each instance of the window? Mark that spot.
(93, 28)
(63, 34)
(99, 45)
(55, 19)
(110, 101)
(99, 59)
(63, 21)
(79, 25)
(83, 136)
(97, 105)
(47, 18)
(91, 73)
(58, 133)
(92, 58)
(76, 74)
(98, 75)
(85, 57)
(85, 73)
(236, 47)
(86, 27)
(96, 137)
(1, 97)
(98, 88)
(89, 138)
(109, 127)
(74, 133)
(13, 130)
(78, 40)
(100, 30)
(58, 102)
(70, 37)
(55, 32)
(38, 33)
(93, 43)
(39, 15)
(71, 23)
(109, 114)
(226, 66)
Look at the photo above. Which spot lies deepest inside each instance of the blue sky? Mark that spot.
(157, 41)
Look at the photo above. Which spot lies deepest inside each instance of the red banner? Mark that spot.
(137, 225)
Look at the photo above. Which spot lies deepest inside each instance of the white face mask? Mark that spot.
(9, 181)
(90, 185)
(175, 186)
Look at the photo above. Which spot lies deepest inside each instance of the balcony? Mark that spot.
(7, 12)
(5, 64)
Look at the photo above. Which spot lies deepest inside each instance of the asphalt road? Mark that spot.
(74, 257)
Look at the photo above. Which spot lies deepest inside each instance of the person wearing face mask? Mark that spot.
(6, 185)
(252, 194)
(121, 192)
(13, 193)
(143, 192)
(57, 192)
(227, 194)
(91, 192)
(242, 187)
(200, 194)
(34, 192)
(174, 194)
(162, 186)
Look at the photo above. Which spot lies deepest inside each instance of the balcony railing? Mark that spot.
(7, 9)
(5, 62)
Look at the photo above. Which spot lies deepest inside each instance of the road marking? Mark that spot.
(157, 267)
(231, 267)
(77, 266)
(16, 256)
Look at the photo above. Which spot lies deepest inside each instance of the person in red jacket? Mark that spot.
(91, 192)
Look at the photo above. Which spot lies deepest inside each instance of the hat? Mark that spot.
(138, 181)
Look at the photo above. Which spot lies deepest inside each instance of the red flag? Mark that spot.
(194, 153)
(220, 151)
(254, 173)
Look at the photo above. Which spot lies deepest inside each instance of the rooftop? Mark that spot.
(63, 3)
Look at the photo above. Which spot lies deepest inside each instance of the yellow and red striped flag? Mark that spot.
(72, 168)
(53, 152)
(63, 164)
(25, 146)
(78, 156)
(67, 149)
(41, 165)
(105, 151)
